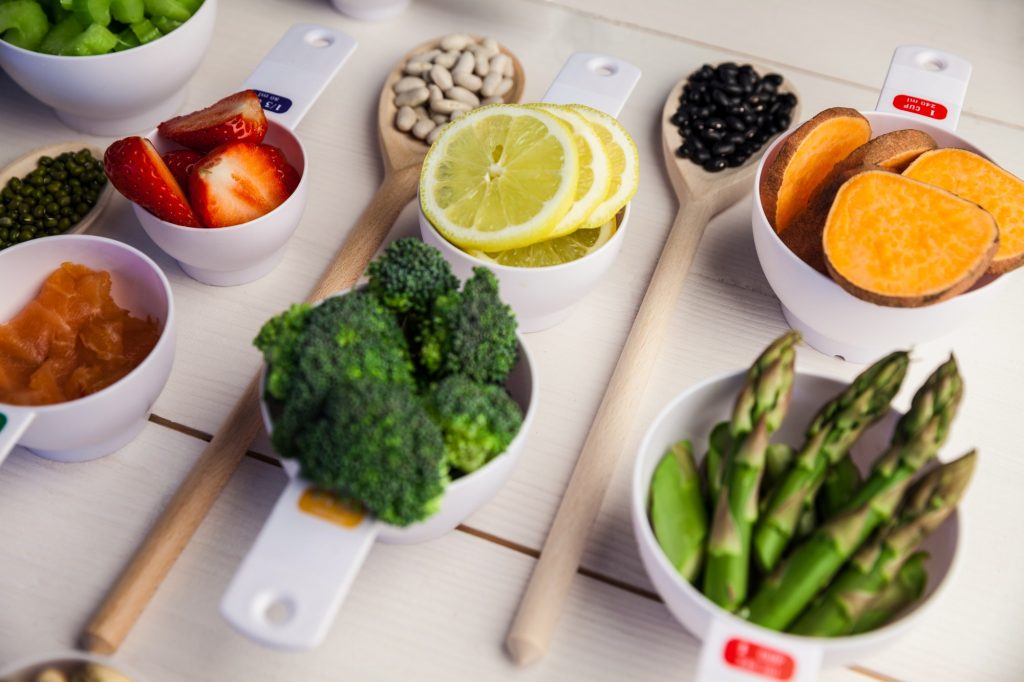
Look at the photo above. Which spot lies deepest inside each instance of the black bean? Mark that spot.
(774, 78)
(714, 165)
(702, 156)
(682, 152)
(735, 138)
(736, 160)
(723, 149)
(735, 123)
(719, 98)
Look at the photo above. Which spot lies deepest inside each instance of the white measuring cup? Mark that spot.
(924, 89)
(289, 587)
(289, 80)
(544, 297)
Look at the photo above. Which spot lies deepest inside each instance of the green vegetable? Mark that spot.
(841, 482)
(904, 590)
(409, 276)
(165, 25)
(126, 40)
(172, 9)
(23, 23)
(719, 447)
(678, 511)
(128, 11)
(478, 420)
(92, 11)
(471, 332)
(280, 340)
(758, 412)
(95, 39)
(59, 38)
(778, 458)
(145, 31)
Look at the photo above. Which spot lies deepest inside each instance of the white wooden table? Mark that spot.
(439, 611)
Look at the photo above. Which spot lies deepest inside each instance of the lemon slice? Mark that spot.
(553, 251)
(500, 177)
(625, 164)
(595, 169)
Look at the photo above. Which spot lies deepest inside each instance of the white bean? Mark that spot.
(427, 56)
(466, 63)
(448, 59)
(490, 84)
(462, 95)
(409, 83)
(492, 100)
(483, 52)
(435, 92)
(483, 66)
(441, 77)
(439, 119)
(447, 106)
(455, 41)
(468, 80)
(490, 44)
(432, 135)
(422, 127)
(499, 62)
(505, 86)
(417, 68)
(405, 119)
(421, 112)
(456, 114)
(411, 98)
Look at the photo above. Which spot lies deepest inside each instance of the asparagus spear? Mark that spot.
(829, 438)
(678, 512)
(807, 523)
(927, 504)
(778, 459)
(919, 434)
(905, 589)
(759, 411)
(813, 563)
(840, 484)
(719, 446)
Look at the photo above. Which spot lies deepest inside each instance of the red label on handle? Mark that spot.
(759, 660)
(921, 107)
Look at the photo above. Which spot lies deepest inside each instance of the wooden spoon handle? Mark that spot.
(545, 596)
(212, 471)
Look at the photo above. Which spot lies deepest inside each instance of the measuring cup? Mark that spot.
(289, 587)
(288, 80)
(544, 297)
(924, 89)
(98, 424)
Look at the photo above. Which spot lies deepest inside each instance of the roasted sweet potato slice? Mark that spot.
(895, 241)
(805, 158)
(979, 180)
(891, 151)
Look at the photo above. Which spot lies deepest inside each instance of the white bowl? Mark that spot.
(838, 323)
(105, 421)
(540, 297)
(227, 256)
(121, 92)
(371, 10)
(691, 415)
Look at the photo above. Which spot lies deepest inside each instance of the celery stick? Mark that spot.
(23, 23)
(92, 11)
(59, 38)
(95, 39)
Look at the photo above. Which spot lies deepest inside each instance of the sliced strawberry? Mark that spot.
(239, 182)
(181, 162)
(236, 118)
(138, 172)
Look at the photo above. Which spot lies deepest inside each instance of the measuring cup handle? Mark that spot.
(594, 79)
(297, 69)
(13, 424)
(928, 83)
(294, 579)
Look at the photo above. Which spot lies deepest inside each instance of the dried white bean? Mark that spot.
(492, 100)
(483, 66)
(405, 119)
(465, 64)
(412, 97)
(432, 135)
(499, 62)
(490, 84)
(435, 93)
(422, 127)
(439, 119)
(483, 52)
(456, 114)
(441, 77)
(489, 44)
(505, 86)
(455, 41)
(468, 80)
(447, 106)
(409, 83)
(448, 59)
(421, 112)
(417, 68)
(427, 56)
(462, 95)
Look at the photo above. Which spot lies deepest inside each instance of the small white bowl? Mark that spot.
(834, 321)
(120, 92)
(228, 256)
(107, 420)
(540, 297)
(371, 10)
(691, 415)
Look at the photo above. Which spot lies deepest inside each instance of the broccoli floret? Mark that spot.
(410, 275)
(470, 332)
(478, 420)
(280, 341)
(375, 441)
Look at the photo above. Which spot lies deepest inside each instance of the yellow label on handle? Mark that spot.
(328, 506)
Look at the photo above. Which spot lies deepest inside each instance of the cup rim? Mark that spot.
(645, 535)
(165, 334)
(43, 56)
(793, 261)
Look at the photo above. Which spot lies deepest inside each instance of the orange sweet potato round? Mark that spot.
(895, 241)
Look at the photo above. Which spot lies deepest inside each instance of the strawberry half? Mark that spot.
(239, 182)
(236, 118)
(138, 172)
(181, 162)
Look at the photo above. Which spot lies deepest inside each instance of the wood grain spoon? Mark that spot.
(403, 156)
(702, 195)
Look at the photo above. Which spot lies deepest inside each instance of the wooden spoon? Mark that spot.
(403, 156)
(24, 165)
(702, 195)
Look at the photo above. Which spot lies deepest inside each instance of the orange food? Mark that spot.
(71, 340)
(899, 242)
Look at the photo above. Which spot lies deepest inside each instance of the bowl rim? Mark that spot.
(793, 261)
(109, 55)
(166, 334)
(640, 486)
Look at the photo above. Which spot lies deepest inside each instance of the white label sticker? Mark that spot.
(734, 651)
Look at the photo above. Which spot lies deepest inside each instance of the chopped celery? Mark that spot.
(126, 39)
(128, 11)
(60, 36)
(166, 25)
(172, 9)
(95, 39)
(92, 11)
(23, 23)
(145, 31)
